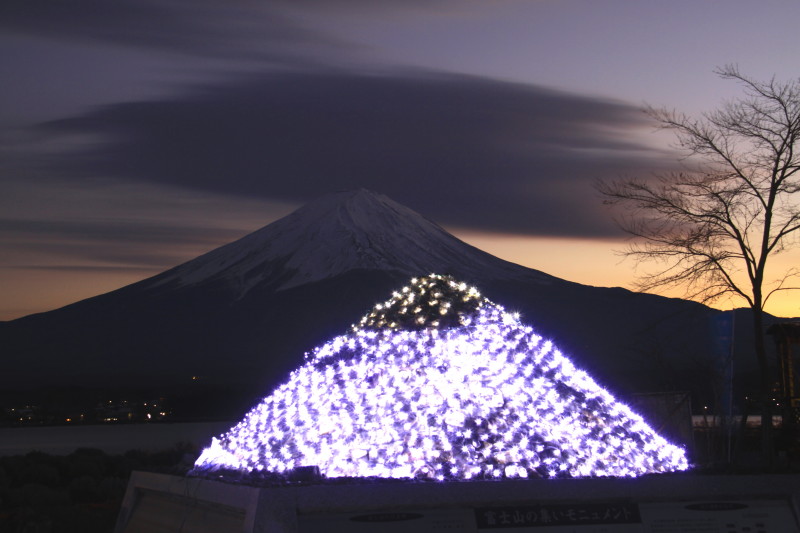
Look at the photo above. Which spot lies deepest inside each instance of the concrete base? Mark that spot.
(663, 504)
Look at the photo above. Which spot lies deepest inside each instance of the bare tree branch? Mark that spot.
(734, 210)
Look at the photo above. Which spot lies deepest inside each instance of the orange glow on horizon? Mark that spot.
(585, 261)
(26, 292)
(597, 263)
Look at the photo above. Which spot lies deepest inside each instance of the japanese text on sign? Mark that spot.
(557, 515)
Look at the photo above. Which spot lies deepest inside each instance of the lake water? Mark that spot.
(61, 440)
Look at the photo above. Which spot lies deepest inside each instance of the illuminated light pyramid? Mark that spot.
(439, 382)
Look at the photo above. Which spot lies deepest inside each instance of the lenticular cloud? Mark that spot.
(439, 382)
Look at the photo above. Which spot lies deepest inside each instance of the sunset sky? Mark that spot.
(138, 134)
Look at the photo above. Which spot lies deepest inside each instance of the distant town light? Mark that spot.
(441, 383)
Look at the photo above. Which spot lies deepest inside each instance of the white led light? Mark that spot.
(479, 395)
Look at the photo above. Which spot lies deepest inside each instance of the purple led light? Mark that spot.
(441, 383)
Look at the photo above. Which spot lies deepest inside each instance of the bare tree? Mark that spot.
(713, 227)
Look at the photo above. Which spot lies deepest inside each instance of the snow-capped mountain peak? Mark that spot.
(337, 233)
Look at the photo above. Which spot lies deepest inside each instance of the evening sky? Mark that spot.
(138, 134)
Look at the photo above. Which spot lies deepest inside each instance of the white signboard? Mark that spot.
(734, 516)
(425, 521)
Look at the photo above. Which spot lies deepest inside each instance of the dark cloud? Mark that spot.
(234, 28)
(90, 269)
(120, 230)
(134, 244)
(463, 150)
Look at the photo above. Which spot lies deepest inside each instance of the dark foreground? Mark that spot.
(82, 491)
(78, 492)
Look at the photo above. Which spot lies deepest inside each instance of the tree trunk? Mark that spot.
(765, 385)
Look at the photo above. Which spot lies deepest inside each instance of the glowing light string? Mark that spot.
(439, 382)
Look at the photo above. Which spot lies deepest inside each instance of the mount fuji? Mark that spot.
(337, 234)
(239, 318)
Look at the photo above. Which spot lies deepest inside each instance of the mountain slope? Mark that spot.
(337, 234)
(240, 317)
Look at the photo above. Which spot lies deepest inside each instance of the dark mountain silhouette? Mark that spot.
(240, 317)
